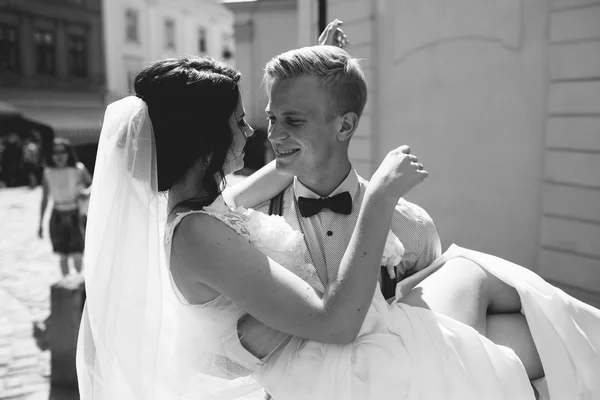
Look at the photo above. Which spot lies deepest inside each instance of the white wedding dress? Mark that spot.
(401, 352)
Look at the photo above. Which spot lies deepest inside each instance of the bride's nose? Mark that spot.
(248, 131)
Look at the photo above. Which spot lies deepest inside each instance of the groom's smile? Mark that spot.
(284, 152)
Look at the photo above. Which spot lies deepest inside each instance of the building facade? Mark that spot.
(52, 63)
(501, 101)
(63, 61)
(137, 32)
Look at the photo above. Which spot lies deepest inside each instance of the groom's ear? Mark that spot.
(347, 126)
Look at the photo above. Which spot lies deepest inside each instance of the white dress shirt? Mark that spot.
(327, 234)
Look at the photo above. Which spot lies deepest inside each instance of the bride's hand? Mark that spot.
(398, 173)
(333, 35)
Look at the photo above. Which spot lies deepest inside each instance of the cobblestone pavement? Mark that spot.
(27, 270)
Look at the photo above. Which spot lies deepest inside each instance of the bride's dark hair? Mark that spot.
(190, 101)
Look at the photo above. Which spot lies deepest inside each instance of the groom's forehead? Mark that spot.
(301, 92)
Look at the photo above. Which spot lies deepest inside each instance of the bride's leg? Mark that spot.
(511, 330)
(464, 291)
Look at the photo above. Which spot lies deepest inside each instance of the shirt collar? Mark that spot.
(349, 184)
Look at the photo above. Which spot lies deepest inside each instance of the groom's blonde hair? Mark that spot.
(339, 75)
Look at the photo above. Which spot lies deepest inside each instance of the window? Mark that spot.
(202, 40)
(131, 26)
(170, 34)
(227, 53)
(9, 48)
(77, 55)
(45, 51)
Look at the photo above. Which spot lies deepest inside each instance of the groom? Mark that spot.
(316, 97)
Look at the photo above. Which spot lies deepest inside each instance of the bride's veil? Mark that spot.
(129, 336)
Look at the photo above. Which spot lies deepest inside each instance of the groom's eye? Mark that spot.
(294, 122)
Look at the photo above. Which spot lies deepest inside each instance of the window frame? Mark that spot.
(132, 25)
(170, 34)
(45, 52)
(75, 70)
(7, 45)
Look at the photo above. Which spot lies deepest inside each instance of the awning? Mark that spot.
(80, 125)
(12, 120)
(8, 111)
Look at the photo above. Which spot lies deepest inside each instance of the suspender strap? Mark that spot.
(388, 285)
(276, 204)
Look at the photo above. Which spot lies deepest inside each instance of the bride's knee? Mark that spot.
(466, 271)
(492, 293)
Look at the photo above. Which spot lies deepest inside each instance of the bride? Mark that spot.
(190, 299)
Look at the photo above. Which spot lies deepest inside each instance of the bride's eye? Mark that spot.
(242, 123)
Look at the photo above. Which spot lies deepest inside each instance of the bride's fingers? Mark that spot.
(330, 33)
(413, 158)
(340, 38)
(417, 165)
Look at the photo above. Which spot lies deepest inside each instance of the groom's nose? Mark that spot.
(275, 133)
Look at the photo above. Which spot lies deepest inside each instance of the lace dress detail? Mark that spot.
(218, 210)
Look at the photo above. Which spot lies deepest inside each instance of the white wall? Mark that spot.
(467, 90)
(570, 221)
(500, 99)
(464, 84)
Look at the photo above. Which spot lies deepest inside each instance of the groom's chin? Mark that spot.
(285, 167)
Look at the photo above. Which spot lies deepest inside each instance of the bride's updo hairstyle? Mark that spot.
(190, 101)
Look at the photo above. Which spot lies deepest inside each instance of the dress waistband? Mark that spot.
(70, 206)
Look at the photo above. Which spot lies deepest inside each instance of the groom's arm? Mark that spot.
(257, 188)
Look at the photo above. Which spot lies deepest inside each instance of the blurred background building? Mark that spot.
(52, 66)
(137, 32)
(63, 61)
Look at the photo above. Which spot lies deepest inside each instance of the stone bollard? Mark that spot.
(67, 298)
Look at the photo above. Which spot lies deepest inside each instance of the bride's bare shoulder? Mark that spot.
(190, 258)
(204, 249)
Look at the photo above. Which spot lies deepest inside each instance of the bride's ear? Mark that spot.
(347, 126)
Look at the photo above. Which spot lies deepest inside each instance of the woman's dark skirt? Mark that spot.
(65, 232)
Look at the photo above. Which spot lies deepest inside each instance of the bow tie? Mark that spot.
(340, 203)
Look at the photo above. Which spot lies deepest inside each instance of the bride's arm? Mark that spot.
(277, 297)
(259, 187)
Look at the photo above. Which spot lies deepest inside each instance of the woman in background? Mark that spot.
(66, 180)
